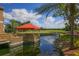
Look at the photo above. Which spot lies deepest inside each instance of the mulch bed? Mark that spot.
(72, 52)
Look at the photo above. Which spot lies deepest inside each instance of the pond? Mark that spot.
(4, 49)
(47, 47)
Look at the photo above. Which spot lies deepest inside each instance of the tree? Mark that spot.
(67, 27)
(68, 11)
(26, 22)
(14, 24)
(11, 28)
(8, 28)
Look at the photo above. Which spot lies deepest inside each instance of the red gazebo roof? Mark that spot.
(27, 26)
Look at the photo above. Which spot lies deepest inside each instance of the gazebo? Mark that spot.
(29, 37)
(28, 27)
(33, 37)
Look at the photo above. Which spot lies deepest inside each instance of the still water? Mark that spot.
(47, 47)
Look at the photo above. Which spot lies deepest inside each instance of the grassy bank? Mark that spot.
(40, 31)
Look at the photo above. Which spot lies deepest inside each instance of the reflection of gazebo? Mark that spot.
(27, 27)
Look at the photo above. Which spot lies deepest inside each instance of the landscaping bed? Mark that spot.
(64, 44)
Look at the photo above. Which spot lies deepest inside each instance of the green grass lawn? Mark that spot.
(67, 37)
(39, 31)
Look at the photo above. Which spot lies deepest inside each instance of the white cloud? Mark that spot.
(23, 15)
(7, 16)
(52, 23)
(49, 20)
(36, 22)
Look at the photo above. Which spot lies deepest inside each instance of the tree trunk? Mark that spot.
(72, 24)
(72, 37)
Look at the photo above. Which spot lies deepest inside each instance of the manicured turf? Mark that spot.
(39, 31)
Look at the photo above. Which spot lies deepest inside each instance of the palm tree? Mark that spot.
(11, 28)
(14, 24)
(68, 11)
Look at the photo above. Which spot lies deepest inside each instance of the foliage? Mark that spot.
(26, 22)
(66, 38)
(68, 11)
(76, 53)
(9, 28)
(76, 43)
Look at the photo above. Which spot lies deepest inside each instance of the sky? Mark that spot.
(24, 12)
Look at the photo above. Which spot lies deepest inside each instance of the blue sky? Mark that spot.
(29, 6)
(51, 22)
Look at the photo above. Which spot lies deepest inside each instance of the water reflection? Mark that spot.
(47, 47)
